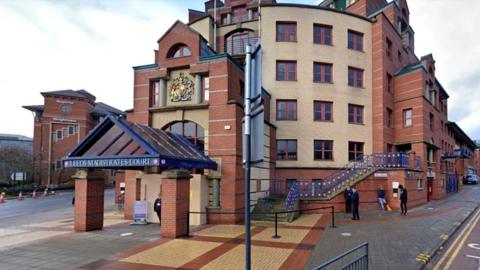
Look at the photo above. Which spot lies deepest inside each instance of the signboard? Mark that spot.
(140, 210)
(381, 175)
(18, 176)
(111, 163)
(122, 187)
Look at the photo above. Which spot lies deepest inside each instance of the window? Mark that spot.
(389, 83)
(58, 165)
(432, 120)
(236, 43)
(350, 2)
(407, 118)
(71, 130)
(59, 134)
(399, 56)
(389, 48)
(355, 77)
(65, 132)
(287, 31)
(224, 19)
(286, 149)
(239, 14)
(419, 183)
(323, 150)
(322, 111)
(322, 72)
(179, 51)
(389, 117)
(65, 108)
(389, 148)
(355, 151)
(355, 114)
(206, 88)
(191, 130)
(54, 136)
(322, 34)
(286, 70)
(286, 110)
(355, 40)
(433, 97)
(154, 93)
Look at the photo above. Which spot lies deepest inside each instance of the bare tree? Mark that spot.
(15, 159)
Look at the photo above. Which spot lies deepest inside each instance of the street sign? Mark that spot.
(18, 176)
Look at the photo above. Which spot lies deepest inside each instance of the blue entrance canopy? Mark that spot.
(118, 144)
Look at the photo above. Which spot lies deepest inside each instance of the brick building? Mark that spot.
(59, 124)
(347, 102)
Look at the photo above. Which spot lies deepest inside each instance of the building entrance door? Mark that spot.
(429, 189)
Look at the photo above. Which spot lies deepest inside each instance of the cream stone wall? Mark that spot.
(205, 28)
(305, 91)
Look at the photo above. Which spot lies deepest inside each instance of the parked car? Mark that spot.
(471, 179)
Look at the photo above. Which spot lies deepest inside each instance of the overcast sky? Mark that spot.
(48, 45)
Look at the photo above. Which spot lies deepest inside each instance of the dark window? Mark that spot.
(286, 70)
(59, 134)
(287, 31)
(355, 114)
(286, 149)
(399, 56)
(179, 51)
(407, 118)
(286, 110)
(323, 150)
(192, 131)
(432, 121)
(224, 18)
(236, 43)
(65, 108)
(355, 150)
(389, 83)
(322, 111)
(389, 148)
(389, 117)
(355, 40)
(355, 77)
(322, 34)
(71, 130)
(65, 132)
(389, 48)
(322, 72)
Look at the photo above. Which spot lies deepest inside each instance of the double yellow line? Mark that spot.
(457, 245)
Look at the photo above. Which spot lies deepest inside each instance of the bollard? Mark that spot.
(34, 194)
(276, 236)
(2, 199)
(20, 196)
(333, 217)
(188, 224)
(45, 192)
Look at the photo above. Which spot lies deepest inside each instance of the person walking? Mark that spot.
(403, 199)
(381, 197)
(157, 207)
(348, 200)
(355, 204)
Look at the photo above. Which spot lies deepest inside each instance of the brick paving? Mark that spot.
(396, 241)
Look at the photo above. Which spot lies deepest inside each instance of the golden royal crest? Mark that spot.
(181, 88)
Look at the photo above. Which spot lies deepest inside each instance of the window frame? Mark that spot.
(323, 74)
(286, 33)
(322, 34)
(356, 78)
(179, 48)
(405, 118)
(355, 151)
(356, 45)
(355, 114)
(287, 70)
(287, 157)
(322, 150)
(322, 111)
(389, 121)
(286, 101)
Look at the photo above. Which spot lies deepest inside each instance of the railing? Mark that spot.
(344, 176)
(237, 46)
(358, 262)
(292, 197)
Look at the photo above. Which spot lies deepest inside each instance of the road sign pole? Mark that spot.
(247, 143)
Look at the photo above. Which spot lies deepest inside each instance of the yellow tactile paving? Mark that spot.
(174, 253)
(305, 220)
(263, 258)
(287, 235)
(227, 231)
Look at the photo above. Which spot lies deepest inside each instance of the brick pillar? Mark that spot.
(89, 193)
(175, 193)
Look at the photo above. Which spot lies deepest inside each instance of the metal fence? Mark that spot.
(354, 259)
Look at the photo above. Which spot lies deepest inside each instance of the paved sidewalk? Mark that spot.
(395, 241)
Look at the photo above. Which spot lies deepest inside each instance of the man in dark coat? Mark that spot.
(355, 204)
(348, 200)
(403, 199)
(157, 207)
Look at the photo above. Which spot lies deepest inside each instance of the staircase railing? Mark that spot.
(292, 197)
(354, 169)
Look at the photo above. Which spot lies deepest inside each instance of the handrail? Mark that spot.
(331, 261)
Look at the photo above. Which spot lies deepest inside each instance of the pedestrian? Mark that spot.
(355, 204)
(403, 199)
(381, 197)
(157, 207)
(348, 200)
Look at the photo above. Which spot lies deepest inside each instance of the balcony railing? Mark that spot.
(237, 46)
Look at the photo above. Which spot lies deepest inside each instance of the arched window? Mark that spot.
(235, 42)
(180, 50)
(191, 130)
